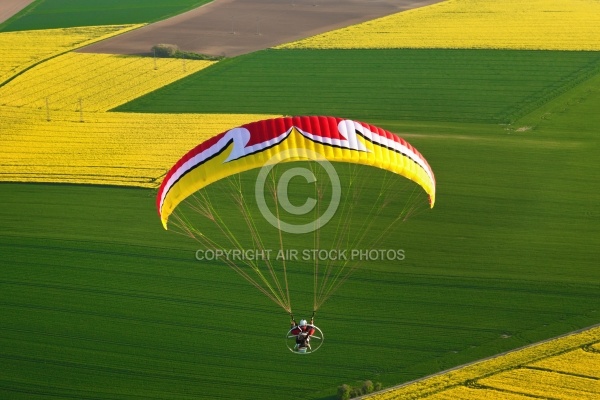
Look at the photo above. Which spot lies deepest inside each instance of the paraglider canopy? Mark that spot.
(367, 167)
(285, 140)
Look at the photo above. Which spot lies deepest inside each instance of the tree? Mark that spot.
(367, 387)
(343, 392)
(165, 50)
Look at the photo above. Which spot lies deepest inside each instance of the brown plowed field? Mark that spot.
(234, 27)
(8, 8)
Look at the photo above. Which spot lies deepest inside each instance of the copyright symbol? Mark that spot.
(283, 189)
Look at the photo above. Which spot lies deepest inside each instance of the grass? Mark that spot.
(47, 14)
(572, 114)
(483, 86)
(97, 300)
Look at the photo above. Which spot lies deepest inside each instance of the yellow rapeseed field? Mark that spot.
(545, 384)
(495, 24)
(23, 49)
(467, 393)
(577, 362)
(567, 368)
(106, 148)
(98, 82)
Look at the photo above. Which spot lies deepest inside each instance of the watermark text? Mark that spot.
(301, 255)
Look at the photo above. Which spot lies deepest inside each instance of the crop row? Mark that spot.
(94, 82)
(108, 148)
(21, 50)
(559, 366)
(501, 24)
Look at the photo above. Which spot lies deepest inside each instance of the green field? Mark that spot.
(97, 301)
(48, 14)
(488, 86)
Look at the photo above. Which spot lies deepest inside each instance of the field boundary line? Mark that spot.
(129, 28)
(473, 375)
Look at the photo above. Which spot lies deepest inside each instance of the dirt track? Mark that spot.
(234, 27)
(8, 8)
